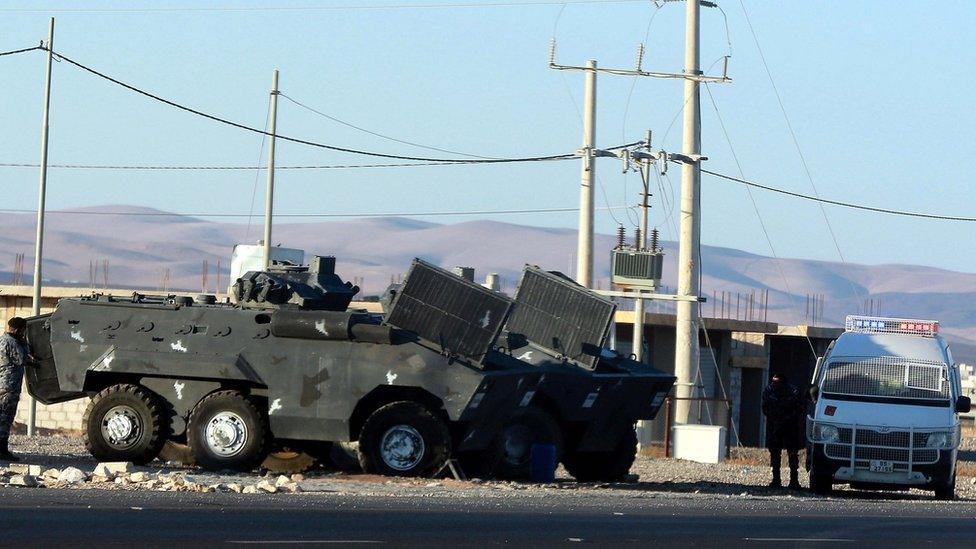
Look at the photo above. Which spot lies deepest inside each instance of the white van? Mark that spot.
(885, 414)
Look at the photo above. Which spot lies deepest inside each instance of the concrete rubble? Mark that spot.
(125, 474)
(23, 480)
(72, 475)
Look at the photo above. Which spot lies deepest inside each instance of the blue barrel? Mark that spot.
(542, 463)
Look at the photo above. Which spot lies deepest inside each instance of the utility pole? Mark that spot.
(687, 351)
(269, 194)
(41, 193)
(638, 341)
(687, 298)
(584, 270)
(584, 247)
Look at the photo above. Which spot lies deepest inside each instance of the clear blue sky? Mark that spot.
(879, 94)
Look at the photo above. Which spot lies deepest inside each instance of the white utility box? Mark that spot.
(701, 443)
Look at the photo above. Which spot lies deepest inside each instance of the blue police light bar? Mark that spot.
(881, 325)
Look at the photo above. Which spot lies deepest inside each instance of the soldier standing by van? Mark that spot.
(14, 355)
(784, 408)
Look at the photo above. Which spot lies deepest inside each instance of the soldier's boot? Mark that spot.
(774, 463)
(5, 454)
(794, 480)
(794, 467)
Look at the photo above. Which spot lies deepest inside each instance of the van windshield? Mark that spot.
(887, 378)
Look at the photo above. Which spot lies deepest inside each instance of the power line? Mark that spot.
(762, 222)
(344, 7)
(312, 215)
(376, 134)
(218, 168)
(796, 144)
(14, 52)
(257, 175)
(305, 141)
(851, 205)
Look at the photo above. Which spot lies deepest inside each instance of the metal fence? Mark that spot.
(890, 377)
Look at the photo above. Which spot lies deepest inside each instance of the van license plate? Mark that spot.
(881, 466)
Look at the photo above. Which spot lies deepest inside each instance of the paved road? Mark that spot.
(53, 518)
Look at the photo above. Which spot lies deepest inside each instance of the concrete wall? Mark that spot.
(749, 367)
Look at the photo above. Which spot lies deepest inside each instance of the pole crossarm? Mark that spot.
(641, 294)
(724, 79)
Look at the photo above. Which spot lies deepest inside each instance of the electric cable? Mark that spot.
(14, 52)
(579, 115)
(313, 143)
(762, 222)
(345, 7)
(633, 85)
(257, 174)
(376, 134)
(796, 144)
(889, 211)
(222, 168)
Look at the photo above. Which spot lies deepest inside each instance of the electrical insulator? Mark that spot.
(621, 235)
(654, 239)
(637, 238)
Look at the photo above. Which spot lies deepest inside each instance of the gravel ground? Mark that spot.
(743, 476)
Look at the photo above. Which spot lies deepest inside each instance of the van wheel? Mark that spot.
(610, 466)
(820, 484)
(404, 439)
(125, 423)
(530, 426)
(946, 491)
(227, 431)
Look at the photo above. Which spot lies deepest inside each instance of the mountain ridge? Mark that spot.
(140, 248)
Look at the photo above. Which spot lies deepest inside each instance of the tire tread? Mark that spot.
(156, 422)
(261, 430)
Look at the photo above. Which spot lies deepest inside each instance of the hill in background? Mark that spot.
(140, 248)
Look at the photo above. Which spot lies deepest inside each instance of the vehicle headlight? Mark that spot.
(826, 433)
(937, 440)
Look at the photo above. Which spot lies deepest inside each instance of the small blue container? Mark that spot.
(542, 463)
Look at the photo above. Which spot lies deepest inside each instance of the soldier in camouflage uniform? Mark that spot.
(14, 355)
(784, 408)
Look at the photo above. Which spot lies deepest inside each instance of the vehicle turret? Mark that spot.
(312, 287)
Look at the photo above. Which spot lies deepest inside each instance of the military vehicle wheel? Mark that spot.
(481, 464)
(404, 439)
(288, 460)
(530, 426)
(344, 456)
(125, 423)
(227, 431)
(608, 466)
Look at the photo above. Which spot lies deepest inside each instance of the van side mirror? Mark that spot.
(963, 405)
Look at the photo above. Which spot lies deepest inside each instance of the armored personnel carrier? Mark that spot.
(286, 368)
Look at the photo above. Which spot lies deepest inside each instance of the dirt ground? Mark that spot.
(744, 474)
